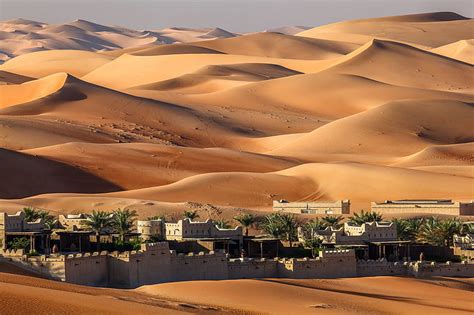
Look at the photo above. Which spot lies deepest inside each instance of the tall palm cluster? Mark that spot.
(32, 214)
(431, 230)
(120, 221)
(281, 225)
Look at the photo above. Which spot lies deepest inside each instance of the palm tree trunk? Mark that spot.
(97, 239)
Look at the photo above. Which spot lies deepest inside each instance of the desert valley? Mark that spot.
(96, 117)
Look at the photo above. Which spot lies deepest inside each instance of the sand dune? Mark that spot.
(43, 63)
(21, 294)
(350, 296)
(32, 90)
(462, 50)
(276, 45)
(408, 126)
(327, 181)
(24, 175)
(73, 112)
(317, 94)
(144, 165)
(20, 36)
(428, 29)
(141, 69)
(455, 154)
(219, 77)
(382, 104)
(415, 67)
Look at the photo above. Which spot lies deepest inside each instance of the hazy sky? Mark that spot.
(234, 15)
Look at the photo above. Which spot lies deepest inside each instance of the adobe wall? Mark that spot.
(152, 264)
(87, 269)
(448, 269)
(447, 209)
(372, 268)
(202, 266)
(252, 268)
(329, 264)
(336, 207)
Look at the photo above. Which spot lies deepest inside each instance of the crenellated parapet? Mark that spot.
(12, 252)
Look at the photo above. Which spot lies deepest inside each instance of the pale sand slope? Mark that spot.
(377, 295)
(462, 50)
(80, 111)
(43, 63)
(274, 45)
(144, 165)
(311, 94)
(384, 105)
(428, 29)
(20, 36)
(25, 294)
(409, 126)
(218, 77)
(326, 181)
(31, 90)
(414, 67)
(142, 69)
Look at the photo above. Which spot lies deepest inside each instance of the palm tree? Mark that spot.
(365, 217)
(161, 217)
(281, 225)
(246, 220)
(222, 224)
(311, 226)
(333, 221)
(191, 215)
(272, 225)
(408, 229)
(98, 221)
(290, 226)
(436, 231)
(123, 222)
(32, 215)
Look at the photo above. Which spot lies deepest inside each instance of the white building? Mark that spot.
(314, 207)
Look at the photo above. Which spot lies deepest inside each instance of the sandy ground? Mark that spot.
(99, 117)
(377, 295)
(238, 121)
(21, 292)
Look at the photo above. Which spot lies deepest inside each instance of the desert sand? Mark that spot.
(158, 121)
(21, 293)
(364, 110)
(376, 295)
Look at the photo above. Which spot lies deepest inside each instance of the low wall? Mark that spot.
(371, 268)
(448, 269)
(155, 263)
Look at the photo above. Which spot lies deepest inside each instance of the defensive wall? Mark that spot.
(155, 263)
(446, 207)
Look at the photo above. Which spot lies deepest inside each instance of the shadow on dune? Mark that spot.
(368, 295)
(24, 175)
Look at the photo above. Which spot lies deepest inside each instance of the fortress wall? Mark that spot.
(447, 209)
(448, 269)
(202, 266)
(253, 268)
(330, 264)
(372, 268)
(87, 269)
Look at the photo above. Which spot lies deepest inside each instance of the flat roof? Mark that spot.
(390, 242)
(28, 233)
(415, 201)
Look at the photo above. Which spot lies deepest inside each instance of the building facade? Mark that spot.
(314, 207)
(441, 206)
(14, 226)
